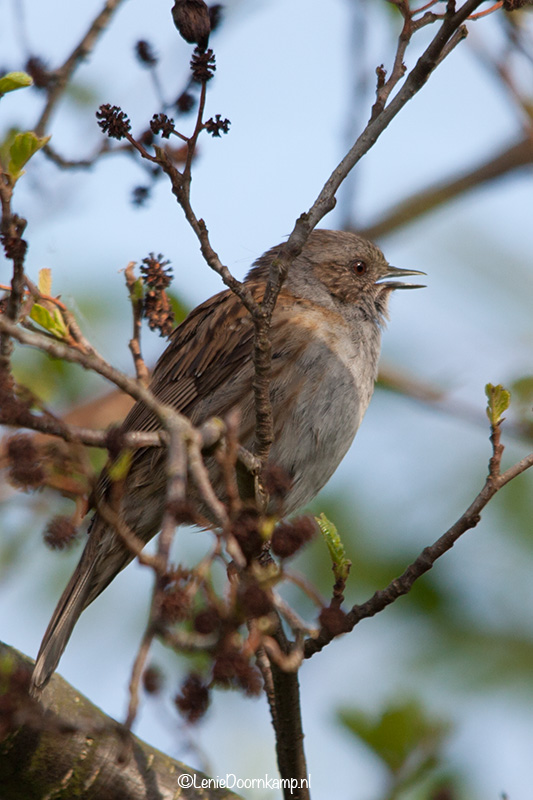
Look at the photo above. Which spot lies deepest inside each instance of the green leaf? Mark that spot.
(5, 145)
(120, 466)
(24, 146)
(498, 402)
(13, 81)
(402, 732)
(341, 564)
(45, 281)
(51, 321)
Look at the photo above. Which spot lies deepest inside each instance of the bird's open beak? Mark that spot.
(394, 272)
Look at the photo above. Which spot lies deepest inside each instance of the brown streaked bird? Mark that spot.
(326, 334)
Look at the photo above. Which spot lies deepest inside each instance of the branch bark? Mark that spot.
(63, 75)
(511, 158)
(64, 746)
(403, 584)
(287, 720)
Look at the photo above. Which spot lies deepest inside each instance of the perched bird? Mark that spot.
(326, 331)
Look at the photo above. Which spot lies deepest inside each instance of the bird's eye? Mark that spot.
(359, 267)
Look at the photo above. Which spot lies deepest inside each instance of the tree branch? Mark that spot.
(64, 743)
(283, 694)
(62, 75)
(141, 370)
(93, 361)
(412, 84)
(403, 584)
(438, 49)
(513, 157)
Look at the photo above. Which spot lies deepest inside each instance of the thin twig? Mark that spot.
(199, 227)
(129, 538)
(193, 141)
(11, 230)
(490, 10)
(201, 478)
(263, 662)
(306, 586)
(187, 641)
(84, 163)
(137, 673)
(398, 69)
(93, 361)
(294, 621)
(288, 662)
(414, 81)
(52, 426)
(176, 485)
(63, 75)
(429, 555)
(325, 202)
(141, 369)
(424, 7)
(227, 458)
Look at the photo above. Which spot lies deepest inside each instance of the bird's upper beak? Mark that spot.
(395, 272)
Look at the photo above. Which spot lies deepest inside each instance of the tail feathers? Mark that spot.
(103, 558)
(72, 602)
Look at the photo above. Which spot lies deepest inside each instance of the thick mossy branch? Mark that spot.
(63, 746)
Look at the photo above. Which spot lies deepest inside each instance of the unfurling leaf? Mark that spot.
(51, 321)
(24, 146)
(498, 401)
(341, 564)
(13, 81)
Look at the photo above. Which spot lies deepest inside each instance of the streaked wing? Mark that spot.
(210, 347)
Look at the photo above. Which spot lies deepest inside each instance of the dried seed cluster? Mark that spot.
(113, 121)
(60, 533)
(157, 308)
(217, 125)
(161, 124)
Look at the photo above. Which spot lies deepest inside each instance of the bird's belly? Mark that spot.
(319, 421)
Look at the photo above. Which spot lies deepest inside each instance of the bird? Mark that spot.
(326, 339)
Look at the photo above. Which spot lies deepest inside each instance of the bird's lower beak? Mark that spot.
(395, 272)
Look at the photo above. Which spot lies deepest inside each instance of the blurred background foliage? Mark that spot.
(432, 699)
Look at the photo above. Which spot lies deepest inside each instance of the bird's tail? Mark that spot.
(102, 558)
(71, 604)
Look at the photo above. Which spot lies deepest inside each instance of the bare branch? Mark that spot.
(63, 75)
(412, 84)
(11, 229)
(137, 673)
(93, 361)
(47, 752)
(135, 342)
(511, 158)
(403, 584)
(325, 202)
(52, 426)
(287, 717)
